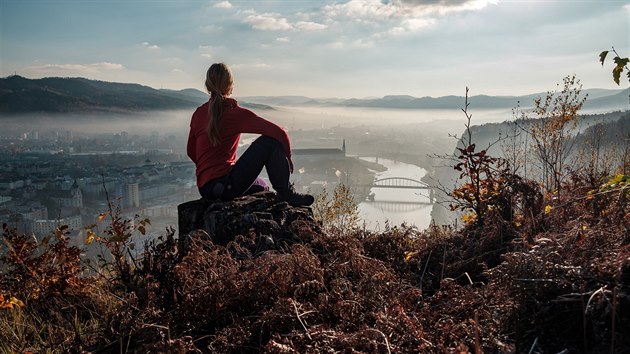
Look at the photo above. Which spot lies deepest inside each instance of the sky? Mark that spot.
(342, 48)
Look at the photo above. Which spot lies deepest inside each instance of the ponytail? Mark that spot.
(215, 109)
(219, 84)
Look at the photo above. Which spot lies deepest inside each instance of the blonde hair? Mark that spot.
(219, 83)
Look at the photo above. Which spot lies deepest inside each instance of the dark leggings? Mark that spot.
(243, 178)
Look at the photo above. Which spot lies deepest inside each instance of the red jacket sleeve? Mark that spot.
(254, 124)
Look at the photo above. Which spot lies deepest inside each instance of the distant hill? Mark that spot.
(480, 101)
(598, 99)
(616, 101)
(63, 95)
(54, 94)
(22, 95)
(188, 94)
(293, 100)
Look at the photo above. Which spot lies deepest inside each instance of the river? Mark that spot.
(396, 206)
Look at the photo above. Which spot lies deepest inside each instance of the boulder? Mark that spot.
(261, 218)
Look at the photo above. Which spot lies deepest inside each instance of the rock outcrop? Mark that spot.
(263, 220)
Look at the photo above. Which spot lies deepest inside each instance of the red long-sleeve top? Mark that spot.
(216, 161)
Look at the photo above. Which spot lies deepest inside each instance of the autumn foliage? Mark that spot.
(483, 288)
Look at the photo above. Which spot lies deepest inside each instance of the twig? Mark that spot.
(619, 56)
(109, 203)
(468, 277)
(612, 339)
(168, 329)
(297, 313)
(443, 263)
(537, 280)
(578, 296)
(531, 350)
(129, 343)
(426, 342)
(477, 341)
(133, 259)
(620, 189)
(384, 337)
(588, 303)
(203, 337)
(426, 264)
(584, 343)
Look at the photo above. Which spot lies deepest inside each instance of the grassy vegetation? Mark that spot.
(559, 280)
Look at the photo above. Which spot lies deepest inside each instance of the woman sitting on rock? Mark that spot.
(215, 130)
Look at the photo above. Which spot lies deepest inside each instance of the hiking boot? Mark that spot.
(296, 199)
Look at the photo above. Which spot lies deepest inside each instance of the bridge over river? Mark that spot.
(402, 183)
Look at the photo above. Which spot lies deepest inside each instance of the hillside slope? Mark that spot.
(19, 95)
(22, 95)
(262, 277)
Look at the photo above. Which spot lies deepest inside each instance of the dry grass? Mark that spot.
(561, 285)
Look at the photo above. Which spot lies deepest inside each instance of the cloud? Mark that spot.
(223, 5)
(408, 26)
(282, 40)
(108, 66)
(246, 12)
(360, 43)
(177, 71)
(210, 51)
(419, 23)
(363, 9)
(275, 22)
(379, 10)
(309, 26)
(150, 46)
(206, 51)
(401, 16)
(268, 22)
(445, 6)
(74, 69)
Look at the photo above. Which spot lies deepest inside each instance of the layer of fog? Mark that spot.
(307, 118)
(425, 123)
(177, 122)
(99, 124)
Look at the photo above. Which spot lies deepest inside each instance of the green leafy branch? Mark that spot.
(621, 64)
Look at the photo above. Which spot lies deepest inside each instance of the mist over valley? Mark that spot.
(64, 121)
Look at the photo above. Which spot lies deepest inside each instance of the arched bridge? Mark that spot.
(401, 183)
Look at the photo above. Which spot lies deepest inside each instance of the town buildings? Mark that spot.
(49, 180)
(44, 183)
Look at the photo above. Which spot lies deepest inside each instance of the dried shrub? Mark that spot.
(56, 304)
(40, 269)
(572, 284)
(339, 212)
(561, 284)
